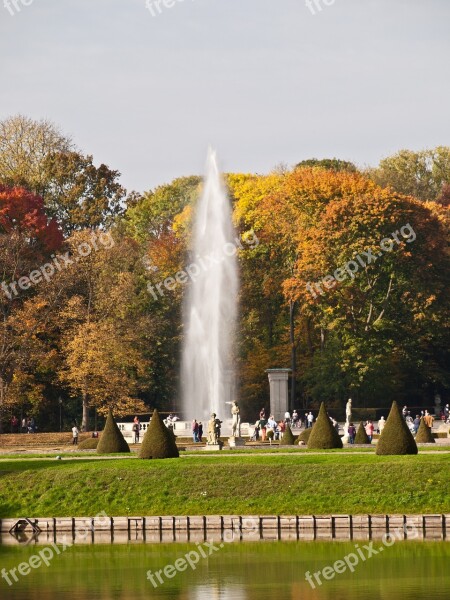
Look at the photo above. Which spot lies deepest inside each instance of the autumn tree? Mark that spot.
(25, 145)
(106, 331)
(78, 194)
(330, 164)
(27, 239)
(423, 174)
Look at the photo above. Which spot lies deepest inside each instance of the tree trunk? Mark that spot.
(293, 356)
(85, 421)
(3, 390)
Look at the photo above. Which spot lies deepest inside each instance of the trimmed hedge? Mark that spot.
(396, 437)
(288, 438)
(324, 435)
(89, 444)
(112, 440)
(361, 435)
(424, 434)
(159, 441)
(304, 436)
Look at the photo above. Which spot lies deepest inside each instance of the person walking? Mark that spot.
(24, 425)
(416, 424)
(381, 424)
(74, 435)
(310, 419)
(200, 431)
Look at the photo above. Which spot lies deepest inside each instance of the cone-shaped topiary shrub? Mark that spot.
(112, 440)
(323, 434)
(288, 438)
(304, 436)
(396, 438)
(89, 444)
(158, 441)
(361, 435)
(424, 435)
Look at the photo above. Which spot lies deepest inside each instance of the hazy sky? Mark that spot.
(264, 82)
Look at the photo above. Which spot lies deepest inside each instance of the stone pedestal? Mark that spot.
(279, 393)
(213, 447)
(236, 442)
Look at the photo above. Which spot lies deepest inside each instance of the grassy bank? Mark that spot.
(293, 484)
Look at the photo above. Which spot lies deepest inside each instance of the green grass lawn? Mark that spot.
(220, 484)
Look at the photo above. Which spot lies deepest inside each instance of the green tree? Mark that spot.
(424, 174)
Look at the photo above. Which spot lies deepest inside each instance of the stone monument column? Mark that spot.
(279, 396)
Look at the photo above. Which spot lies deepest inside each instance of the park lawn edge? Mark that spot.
(291, 484)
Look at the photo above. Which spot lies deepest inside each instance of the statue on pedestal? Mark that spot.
(348, 412)
(236, 416)
(213, 430)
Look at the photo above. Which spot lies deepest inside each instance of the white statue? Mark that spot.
(236, 424)
(348, 412)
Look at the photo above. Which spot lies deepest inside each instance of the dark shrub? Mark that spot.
(158, 441)
(361, 435)
(424, 434)
(396, 438)
(112, 440)
(304, 436)
(89, 444)
(288, 438)
(324, 435)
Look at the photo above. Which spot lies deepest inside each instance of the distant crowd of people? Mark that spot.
(27, 425)
(197, 431)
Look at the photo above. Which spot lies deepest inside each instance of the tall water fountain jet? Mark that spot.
(210, 309)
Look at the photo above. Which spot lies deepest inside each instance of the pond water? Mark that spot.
(408, 570)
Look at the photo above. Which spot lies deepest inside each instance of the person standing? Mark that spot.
(200, 431)
(195, 430)
(136, 430)
(262, 428)
(351, 433)
(310, 419)
(429, 419)
(74, 435)
(369, 430)
(416, 424)
(381, 424)
(24, 425)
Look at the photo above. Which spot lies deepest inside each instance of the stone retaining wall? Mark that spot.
(245, 527)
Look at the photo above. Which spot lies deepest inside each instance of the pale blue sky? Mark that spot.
(262, 81)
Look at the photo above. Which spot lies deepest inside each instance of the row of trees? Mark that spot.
(77, 254)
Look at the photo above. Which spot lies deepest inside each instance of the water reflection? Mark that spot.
(218, 591)
(242, 571)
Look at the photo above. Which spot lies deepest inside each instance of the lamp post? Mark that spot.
(60, 414)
